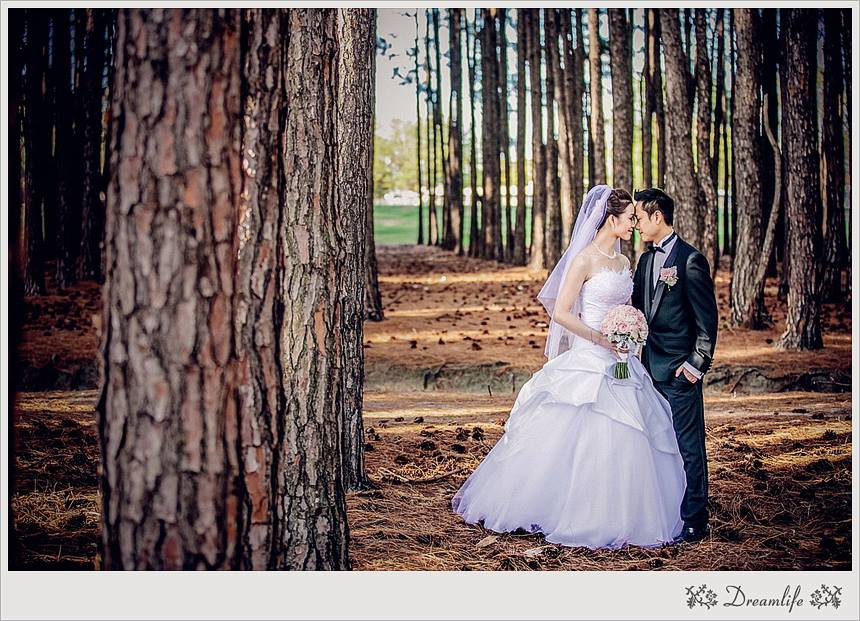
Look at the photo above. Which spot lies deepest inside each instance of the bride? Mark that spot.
(586, 459)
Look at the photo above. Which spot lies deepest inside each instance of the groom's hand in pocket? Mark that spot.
(690, 377)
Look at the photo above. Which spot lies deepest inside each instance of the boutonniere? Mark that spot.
(669, 275)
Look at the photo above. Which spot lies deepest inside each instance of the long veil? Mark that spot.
(559, 339)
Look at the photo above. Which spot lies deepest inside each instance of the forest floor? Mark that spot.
(460, 336)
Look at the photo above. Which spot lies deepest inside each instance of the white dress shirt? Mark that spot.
(656, 265)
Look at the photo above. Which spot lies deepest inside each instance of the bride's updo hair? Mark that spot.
(616, 204)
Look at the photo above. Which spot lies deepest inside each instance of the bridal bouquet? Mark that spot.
(626, 326)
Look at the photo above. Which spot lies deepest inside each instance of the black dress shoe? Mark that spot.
(692, 534)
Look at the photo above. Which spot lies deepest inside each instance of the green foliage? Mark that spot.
(394, 163)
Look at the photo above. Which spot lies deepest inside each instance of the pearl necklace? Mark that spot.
(612, 256)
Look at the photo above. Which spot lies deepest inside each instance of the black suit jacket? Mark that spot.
(682, 320)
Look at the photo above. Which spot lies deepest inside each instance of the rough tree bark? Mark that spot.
(681, 182)
(648, 104)
(580, 122)
(622, 108)
(803, 323)
(519, 254)
(596, 100)
(835, 247)
(180, 472)
(455, 132)
(537, 258)
(553, 203)
(747, 299)
(719, 105)
(355, 110)
(704, 173)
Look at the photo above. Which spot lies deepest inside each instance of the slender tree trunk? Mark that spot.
(17, 201)
(553, 236)
(803, 323)
(573, 62)
(418, 137)
(505, 138)
(474, 235)
(835, 247)
(433, 233)
(733, 214)
(769, 72)
(659, 103)
(65, 155)
(719, 113)
(747, 299)
(561, 96)
(455, 133)
(490, 136)
(705, 175)
(680, 175)
(355, 107)
(596, 86)
(537, 258)
(89, 262)
(581, 115)
(519, 254)
(648, 68)
(446, 234)
(622, 108)
(36, 151)
(845, 16)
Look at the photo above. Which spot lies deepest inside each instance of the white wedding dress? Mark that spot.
(586, 459)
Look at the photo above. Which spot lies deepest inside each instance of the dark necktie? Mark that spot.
(662, 247)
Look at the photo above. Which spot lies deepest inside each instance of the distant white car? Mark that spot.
(400, 197)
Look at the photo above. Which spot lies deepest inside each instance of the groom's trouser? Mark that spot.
(688, 418)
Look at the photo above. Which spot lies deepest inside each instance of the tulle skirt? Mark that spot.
(586, 459)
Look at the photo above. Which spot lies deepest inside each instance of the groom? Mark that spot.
(674, 289)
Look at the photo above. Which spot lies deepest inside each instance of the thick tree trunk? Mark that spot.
(573, 72)
(680, 174)
(596, 86)
(168, 410)
(519, 254)
(835, 246)
(537, 258)
(659, 104)
(184, 445)
(705, 175)
(474, 234)
(803, 323)
(505, 137)
(747, 299)
(489, 137)
(355, 115)
(418, 138)
(553, 203)
(455, 133)
(89, 260)
(622, 108)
